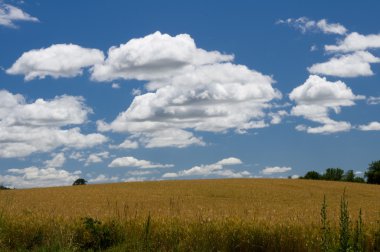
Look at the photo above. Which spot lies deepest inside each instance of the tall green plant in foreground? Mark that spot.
(344, 221)
(349, 240)
(358, 234)
(326, 231)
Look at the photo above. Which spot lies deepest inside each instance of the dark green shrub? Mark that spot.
(21, 236)
(80, 181)
(312, 175)
(349, 176)
(95, 235)
(2, 187)
(359, 180)
(373, 173)
(335, 174)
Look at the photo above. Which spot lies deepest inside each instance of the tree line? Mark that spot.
(371, 176)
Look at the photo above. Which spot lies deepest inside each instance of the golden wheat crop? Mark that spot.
(276, 206)
(270, 200)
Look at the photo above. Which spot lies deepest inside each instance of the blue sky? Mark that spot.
(126, 91)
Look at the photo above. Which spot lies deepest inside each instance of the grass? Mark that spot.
(192, 215)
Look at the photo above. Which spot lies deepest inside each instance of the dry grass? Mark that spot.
(292, 206)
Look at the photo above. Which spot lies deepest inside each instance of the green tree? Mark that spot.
(359, 180)
(312, 175)
(373, 173)
(2, 187)
(333, 174)
(80, 181)
(349, 176)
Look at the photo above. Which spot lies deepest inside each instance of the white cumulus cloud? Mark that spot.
(211, 98)
(96, 157)
(154, 56)
(59, 60)
(370, 126)
(43, 125)
(127, 144)
(316, 98)
(188, 88)
(351, 65)
(57, 161)
(38, 177)
(355, 42)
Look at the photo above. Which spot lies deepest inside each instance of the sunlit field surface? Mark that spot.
(231, 214)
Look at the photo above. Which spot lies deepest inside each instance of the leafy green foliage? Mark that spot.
(95, 235)
(344, 231)
(335, 174)
(312, 175)
(349, 240)
(80, 181)
(326, 231)
(373, 173)
(349, 176)
(358, 234)
(2, 187)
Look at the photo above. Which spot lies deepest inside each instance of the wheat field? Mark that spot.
(277, 214)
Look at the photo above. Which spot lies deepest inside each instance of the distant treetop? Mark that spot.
(80, 181)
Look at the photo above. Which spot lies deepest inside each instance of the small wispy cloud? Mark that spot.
(215, 169)
(275, 169)
(115, 85)
(373, 100)
(305, 24)
(134, 162)
(10, 14)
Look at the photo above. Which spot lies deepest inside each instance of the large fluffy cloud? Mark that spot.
(60, 111)
(352, 65)
(355, 42)
(10, 14)
(316, 98)
(134, 162)
(42, 126)
(60, 60)
(155, 56)
(213, 98)
(216, 169)
(38, 177)
(189, 88)
(304, 24)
